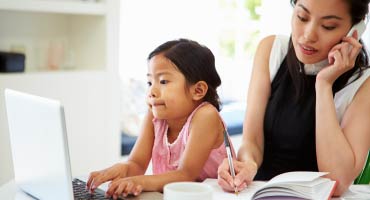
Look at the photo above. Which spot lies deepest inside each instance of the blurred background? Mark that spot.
(91, 56)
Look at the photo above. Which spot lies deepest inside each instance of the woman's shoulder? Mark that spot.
(267, 41)
(274, 40)
(344, 97)
(276, 47)
(262, 55)
(270, 43)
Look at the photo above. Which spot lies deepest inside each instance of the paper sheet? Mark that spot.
(219, 194)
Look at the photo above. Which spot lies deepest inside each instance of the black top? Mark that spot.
(289, 128)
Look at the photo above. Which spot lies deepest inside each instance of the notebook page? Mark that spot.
(219, 194)
(296, 177)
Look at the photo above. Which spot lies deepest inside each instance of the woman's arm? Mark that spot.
(341, 147)
(258, 95)
(250, 154)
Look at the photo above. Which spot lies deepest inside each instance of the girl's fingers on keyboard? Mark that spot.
(129, 188)
(138, 189)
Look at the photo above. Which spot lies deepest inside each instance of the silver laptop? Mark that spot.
(38, 139)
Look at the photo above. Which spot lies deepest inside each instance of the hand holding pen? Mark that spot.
(230, 158)
(244, 171)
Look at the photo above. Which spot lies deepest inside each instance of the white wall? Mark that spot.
(147, 24)
(89, 92)
(275, 17)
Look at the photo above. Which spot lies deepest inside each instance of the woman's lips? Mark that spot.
(307, 50)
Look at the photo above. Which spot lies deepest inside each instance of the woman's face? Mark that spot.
(318, 25)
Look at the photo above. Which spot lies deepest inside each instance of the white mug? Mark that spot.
(187, 191)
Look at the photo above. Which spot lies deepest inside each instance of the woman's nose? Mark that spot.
(310, 33)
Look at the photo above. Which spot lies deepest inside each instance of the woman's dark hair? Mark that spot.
(358, 10)
(196, 62)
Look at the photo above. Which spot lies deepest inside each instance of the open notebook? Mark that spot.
(290, 185)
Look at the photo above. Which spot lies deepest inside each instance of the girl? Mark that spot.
(300, 119)
(182, 132)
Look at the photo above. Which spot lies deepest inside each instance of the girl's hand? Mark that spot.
(244, 174)
(124, 186)
(342, 58)
(99, 177)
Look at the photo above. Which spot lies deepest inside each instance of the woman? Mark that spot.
(293, 120)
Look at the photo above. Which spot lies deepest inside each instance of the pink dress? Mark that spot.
(166, 157)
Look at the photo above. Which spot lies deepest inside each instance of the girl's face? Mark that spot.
(168, 95)
(317, 26)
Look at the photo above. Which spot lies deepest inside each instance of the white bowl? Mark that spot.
(187, 191)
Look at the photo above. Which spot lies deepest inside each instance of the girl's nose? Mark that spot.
(152, 92)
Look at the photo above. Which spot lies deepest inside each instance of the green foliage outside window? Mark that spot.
(228, 35)
(251, 6)
(227, 45)
(251, 44)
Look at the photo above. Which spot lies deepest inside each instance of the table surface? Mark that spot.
(10, 191)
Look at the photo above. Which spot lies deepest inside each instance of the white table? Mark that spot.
(10, 191)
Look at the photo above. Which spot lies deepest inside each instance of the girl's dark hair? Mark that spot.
(196, 62)
(358, 10)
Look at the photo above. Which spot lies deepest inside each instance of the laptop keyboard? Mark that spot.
(80, 192)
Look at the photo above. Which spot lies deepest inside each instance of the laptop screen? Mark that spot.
(39, 145)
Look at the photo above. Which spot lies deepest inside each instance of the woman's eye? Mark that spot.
(329, 27)
(163, 82)
(149, 83)
(302, 18)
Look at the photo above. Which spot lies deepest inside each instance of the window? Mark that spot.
(230, 28)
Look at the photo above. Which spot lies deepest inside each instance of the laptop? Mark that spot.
(38, 138)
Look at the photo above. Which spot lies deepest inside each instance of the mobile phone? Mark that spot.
(313, 69)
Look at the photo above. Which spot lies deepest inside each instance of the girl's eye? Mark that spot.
(329, 28)
(302, 18)
(149, 83)
(163, 82)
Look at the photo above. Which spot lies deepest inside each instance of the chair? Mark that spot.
(364, 177)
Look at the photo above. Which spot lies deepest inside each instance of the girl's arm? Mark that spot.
(341, 148)
(137, 162)
(206, 133)
(250, 154)
(141, 153)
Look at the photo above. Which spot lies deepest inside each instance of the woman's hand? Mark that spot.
(342, 58)
(124, 186)
(244, 174)
(99, 177)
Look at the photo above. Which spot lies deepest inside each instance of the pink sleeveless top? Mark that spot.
(166, 157)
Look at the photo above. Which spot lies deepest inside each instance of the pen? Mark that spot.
(230, 158)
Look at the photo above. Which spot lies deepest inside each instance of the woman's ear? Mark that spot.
(199, 90)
